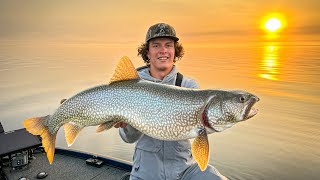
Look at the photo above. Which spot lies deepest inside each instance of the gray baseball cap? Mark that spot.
(161, 30)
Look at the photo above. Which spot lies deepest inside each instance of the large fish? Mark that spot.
(161, 111)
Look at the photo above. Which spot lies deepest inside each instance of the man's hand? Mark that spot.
(120, 124)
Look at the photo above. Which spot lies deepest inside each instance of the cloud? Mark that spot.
(310, 30)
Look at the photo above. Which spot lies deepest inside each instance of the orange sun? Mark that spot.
(273, 23)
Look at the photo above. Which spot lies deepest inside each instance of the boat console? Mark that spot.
(17, 146)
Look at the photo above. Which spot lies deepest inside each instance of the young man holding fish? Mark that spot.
(166, 115)
(157, 159)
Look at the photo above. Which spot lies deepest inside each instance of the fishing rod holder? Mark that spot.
(94, 161)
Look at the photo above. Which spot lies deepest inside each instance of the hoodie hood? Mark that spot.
(144, 73)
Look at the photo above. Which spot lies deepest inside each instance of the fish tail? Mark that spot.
(36, 126)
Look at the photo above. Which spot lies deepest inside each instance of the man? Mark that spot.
(156, 159)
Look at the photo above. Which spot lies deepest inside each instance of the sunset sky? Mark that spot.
(106, 21)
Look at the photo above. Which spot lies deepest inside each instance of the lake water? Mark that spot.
(281, 142)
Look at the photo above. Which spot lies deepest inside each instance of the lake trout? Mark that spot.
(161, 111)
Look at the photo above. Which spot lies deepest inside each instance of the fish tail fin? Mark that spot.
(36, 126)
(49, 144)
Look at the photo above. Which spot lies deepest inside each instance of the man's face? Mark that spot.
(161, 53)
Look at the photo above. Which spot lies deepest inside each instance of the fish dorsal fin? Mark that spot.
(124, 71)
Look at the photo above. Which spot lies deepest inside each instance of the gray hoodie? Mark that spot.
(153, 158)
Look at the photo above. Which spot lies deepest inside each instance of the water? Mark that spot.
(281, 142)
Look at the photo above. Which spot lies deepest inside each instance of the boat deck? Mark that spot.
(68, 165)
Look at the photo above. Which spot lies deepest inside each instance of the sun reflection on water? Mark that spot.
(270, 66)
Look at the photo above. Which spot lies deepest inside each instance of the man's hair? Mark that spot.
(144, 48)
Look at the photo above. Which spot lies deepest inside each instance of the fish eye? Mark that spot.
(242, 99)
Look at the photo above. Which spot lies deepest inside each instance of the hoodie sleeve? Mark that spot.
(189, 83)
(129, 134)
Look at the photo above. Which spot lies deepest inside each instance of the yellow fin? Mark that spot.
(124, 71)
(200, 149)
(36, 127)
(105, 126)
(71, 132)
(49, 144)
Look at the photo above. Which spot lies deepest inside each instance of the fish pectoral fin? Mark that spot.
(124, 71)
(36, 127)
(200, 149)
(71, 131)
(106, 126)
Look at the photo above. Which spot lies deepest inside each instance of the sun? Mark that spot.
(273, 24)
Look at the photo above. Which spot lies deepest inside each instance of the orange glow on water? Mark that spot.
(270, 63)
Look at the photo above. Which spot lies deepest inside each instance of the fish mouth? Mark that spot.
(253, 111)
(250, 111)
(222, 127)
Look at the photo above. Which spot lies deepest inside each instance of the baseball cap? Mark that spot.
(161, 30)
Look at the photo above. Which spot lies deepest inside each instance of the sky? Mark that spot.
(108, 21)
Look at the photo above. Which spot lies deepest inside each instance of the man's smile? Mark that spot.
(162, 58)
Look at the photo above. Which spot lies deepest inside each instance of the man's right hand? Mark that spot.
(120, 124)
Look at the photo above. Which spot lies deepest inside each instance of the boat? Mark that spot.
(22, 157)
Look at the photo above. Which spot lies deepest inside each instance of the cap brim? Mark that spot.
(171, 37)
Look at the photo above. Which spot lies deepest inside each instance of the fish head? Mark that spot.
(227, 108)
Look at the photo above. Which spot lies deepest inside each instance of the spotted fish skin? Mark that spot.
(161, 111)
